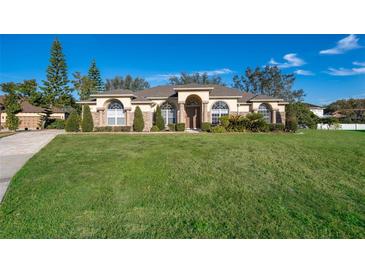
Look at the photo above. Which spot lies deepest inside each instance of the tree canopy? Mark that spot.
(95, 77)
(195, 78)
(12, 105)
(83, 85)
(127, 82)
(56, 90)
(269, 81)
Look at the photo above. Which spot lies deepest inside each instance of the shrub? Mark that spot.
(224, 121)
(172, 127)
(73, 122)
(138, 123)
(87, 123)
(291, 124)
(154, 128)
(57, 124)
(159, 122)
(180, 127)
(237, 123)
(218, 129)
(121, 128)
(276, 127)
(256, 122)
(103, 129)
(206, 126)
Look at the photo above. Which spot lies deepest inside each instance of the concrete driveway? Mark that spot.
(16, 149)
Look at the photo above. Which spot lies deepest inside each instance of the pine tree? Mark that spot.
(87, 124)
(94, 76)
(160, 123)
(56, 90)
(73, 122)
(138, 123)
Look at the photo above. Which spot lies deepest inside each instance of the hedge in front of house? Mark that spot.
(206, 126)
(56, 124)
(172, 127)
(159, 122)
(87, 124)
(113, 129)
(138, 123)
(73, 122)
(180, 126)
(154, 129)
(291, 124)
(218, 129)
(276, 127)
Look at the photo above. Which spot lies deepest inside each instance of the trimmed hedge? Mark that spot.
(291, 124)
(57, 124)
(172, 127)
(206, 126)
(180, 126)
(73, 122)
(138, 123)
(159, 122)
(276, 127)
(154, 129)
(87, 124)
(113, 129)
(218, 129)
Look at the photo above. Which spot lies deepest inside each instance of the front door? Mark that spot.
(193, 118)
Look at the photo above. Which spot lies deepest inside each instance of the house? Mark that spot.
(30, 115)
(317, 110)
(191, 104)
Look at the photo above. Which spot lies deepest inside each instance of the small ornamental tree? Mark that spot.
(12, 105)
(160, 123)
(73, 122)
(291, 124)
(138, 123)
(87, 123)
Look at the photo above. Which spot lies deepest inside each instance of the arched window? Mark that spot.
(219, 109)
(115, 114)
(266, 112)
(168, 113)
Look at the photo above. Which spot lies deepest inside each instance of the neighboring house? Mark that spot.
(317, 110)
(190, 104)
(30, 115)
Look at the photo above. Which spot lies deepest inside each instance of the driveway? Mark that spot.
(16, 150)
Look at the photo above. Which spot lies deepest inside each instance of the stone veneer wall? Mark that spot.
(95, 116)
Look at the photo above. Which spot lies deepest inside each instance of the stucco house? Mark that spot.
(191, 104)
(317, 110)
(30, 115)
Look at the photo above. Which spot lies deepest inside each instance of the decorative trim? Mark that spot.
(266, 100)
(224, 97)
(100, 108)
(113, 95)
(86, 102)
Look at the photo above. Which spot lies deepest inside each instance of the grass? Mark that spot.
(309, 185)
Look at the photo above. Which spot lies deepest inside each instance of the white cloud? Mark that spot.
(348, 43)
(304, 72)
(361, 64)
(348, 72)
(165, 77)
(292, 61)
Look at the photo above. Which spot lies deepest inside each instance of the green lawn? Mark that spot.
(309, 185)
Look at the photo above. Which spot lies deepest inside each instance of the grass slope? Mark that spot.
(309, 185)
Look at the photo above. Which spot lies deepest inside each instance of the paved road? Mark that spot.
(16, 149)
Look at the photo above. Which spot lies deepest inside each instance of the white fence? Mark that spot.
(342, 126)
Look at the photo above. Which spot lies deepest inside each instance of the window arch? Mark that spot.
(265, 110)
(115, 114)
(219, 109)
(168, 112)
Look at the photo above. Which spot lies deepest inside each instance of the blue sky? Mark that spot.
(328, 67)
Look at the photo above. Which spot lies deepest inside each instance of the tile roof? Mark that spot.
(29, 108)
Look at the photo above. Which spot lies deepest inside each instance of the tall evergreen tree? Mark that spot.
(95, 77)
(83, 85)
(56, 90)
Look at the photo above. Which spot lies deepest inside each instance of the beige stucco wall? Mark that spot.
(103, 102)
(182, 95)
(232, 104)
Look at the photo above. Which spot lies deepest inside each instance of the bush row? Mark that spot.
(253, 122)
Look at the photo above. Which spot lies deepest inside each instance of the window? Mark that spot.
(266, 112)
(219, 109)
(168, 113)
(115, 114)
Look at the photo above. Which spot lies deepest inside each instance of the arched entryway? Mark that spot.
(193, 109)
